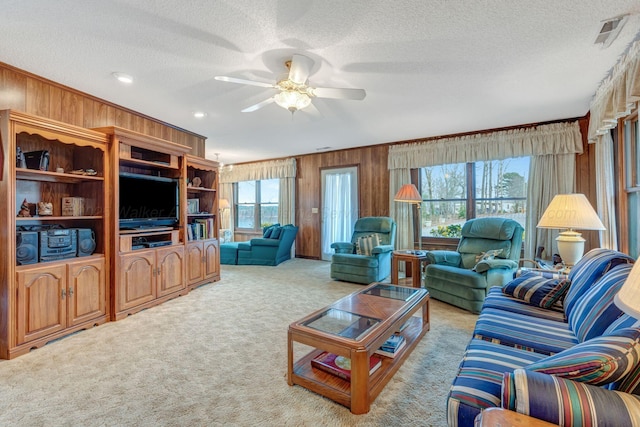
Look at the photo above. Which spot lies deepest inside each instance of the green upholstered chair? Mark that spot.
(460, 278)
(271, 249)
(348, 265)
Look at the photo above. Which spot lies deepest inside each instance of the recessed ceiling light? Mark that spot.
(123, 78)
(199, 114)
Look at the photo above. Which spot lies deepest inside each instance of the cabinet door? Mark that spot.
(171, 270)
(137, 283)
(211, 259)
(87, 291)
(42, 301)
(195, 268)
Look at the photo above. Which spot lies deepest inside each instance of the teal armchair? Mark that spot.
(373, 264)
(271, 249)
(462, 278)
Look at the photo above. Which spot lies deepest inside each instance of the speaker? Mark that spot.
(26, 247)
(86, 241)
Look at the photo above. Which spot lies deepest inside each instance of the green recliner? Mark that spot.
(374, 264)
(487, 256)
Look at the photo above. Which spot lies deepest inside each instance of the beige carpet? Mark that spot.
(218, 357)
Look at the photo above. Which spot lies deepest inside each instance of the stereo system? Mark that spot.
(43, 243)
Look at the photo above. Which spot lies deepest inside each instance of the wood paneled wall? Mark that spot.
(23, 91)
(373, 183)
(26, 92)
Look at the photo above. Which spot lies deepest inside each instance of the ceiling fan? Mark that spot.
(294, 91)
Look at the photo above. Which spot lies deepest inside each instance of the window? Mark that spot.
(455, 193)
(632, 181)
(257, 204)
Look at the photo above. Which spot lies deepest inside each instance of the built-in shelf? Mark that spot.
(46, 176)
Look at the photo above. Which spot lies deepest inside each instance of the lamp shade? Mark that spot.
(223, 204)
(570, 211)
(628, 298)
(408, 193)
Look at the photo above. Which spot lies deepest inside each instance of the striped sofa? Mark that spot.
(556, 348)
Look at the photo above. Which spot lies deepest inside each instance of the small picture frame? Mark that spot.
(193, 206)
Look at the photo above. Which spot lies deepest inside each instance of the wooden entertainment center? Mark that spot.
(62, 270)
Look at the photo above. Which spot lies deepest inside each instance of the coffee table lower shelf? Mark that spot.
(338, 389)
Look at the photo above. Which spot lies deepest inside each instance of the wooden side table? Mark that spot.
(499, 417)
(413, 261)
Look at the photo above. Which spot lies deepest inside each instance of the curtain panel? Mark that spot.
(616, 95)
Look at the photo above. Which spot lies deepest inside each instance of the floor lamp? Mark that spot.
(570, 212)
(408, 193)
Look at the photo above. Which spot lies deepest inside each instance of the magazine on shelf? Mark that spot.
(391, 353)
(341, 366)
(392, 346)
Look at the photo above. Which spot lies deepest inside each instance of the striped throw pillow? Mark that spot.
(537, 290)
(365, 244)
(599, 361)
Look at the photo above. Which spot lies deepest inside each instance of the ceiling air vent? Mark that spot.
(610, 30)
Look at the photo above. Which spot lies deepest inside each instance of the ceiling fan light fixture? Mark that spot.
(292, 100)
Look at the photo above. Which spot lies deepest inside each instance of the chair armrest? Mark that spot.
(489, 264)
(343, 247)
(565, 402)
(451, 258)
(265, 242)
(244, 246)
(382, 249)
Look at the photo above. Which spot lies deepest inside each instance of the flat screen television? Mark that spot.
(148, 201)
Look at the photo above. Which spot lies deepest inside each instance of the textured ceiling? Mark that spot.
(429, 67)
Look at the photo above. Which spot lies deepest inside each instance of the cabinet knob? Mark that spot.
(71, 291)
(64, 293)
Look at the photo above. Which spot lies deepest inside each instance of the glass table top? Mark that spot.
(391, 291)
(342, 323)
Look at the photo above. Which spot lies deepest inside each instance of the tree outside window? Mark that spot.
(257, 203)
(455, 193)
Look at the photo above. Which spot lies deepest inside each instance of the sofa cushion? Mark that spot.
(275, 232)
(595, 310)
(365, 244)
(523, 331)
(537, 290)
(598, 361)
(478, 383)
(586, 273)
(498, 300)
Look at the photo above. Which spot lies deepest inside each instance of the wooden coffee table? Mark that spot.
(354, 327)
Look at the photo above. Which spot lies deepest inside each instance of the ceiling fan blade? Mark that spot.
(300, 68)
(243, 81)
(259, 105)
(338, 93)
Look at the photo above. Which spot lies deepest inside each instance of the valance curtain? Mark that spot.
(285, 170)
(546, 142)
(616, 95)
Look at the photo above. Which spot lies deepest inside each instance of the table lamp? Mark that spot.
(408, 193)
(628, 297)
(569, 212)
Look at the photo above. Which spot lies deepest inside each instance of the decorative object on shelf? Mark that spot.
(197, 182)
(73, 206)
(24, 209)
(569, 212)
(60, 170)
(340, 366)
(193, 206)
(89, 172)
(20, 160)
(37, 160)
(408, 193)
(45, 208)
